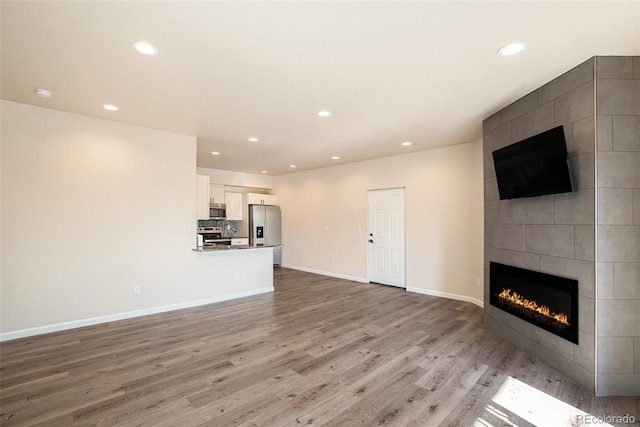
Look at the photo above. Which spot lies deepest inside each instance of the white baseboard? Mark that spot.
(447, 295)
(127, 315)
(416, 290)
(327, 273)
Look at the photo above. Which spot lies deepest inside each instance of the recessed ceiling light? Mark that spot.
(253, 139)
(335, 158)
(264, 171)
(407, 143)
(146, 48)
(512, 49)
(215, 153)
(110, 107)
(292, 166)
(43, 93)
(324, 113)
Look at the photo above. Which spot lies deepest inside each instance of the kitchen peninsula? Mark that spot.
(219, 248)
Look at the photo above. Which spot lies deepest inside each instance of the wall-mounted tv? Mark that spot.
(534, 166)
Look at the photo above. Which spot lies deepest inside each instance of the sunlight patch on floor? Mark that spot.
(532, 405)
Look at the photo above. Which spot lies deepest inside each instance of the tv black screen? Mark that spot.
(534, 166)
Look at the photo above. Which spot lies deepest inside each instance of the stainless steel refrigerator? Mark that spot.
(265, 228)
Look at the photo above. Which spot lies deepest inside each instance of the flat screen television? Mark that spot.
(534, 166)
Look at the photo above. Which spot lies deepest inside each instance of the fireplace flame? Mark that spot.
(515, 298)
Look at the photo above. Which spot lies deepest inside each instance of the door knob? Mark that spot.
(370, 240)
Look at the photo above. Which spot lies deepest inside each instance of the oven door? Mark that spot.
(214, 240)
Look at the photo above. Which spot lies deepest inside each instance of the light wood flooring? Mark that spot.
(318, 351)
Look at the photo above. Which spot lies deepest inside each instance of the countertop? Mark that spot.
(231, 247)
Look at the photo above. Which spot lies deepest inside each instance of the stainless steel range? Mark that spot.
(212, 237)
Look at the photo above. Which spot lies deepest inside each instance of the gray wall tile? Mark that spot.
(511, 321)
(626, 133)
(491, 122)
(574, 106)
(555, 240)
(585, 242)
(491, 254)
(532, 210)
(496, 139)
(574, 208)
(583, 171)
(636, 67)
(583, 138)
(636, 348)
(489, 169)
(586, 315)
(615, 206)
(518, 338)
(636, 207)
(577, 373)
(618, 243)
(626, 282)
(532, 123)
(618, 97)
(491, 192)
(551, 341)
(584, 354)
(497, 212)
(485, 289)
(570, 80)
(615, 355)
(618, 385)
(605, 280)
(618, 318)
(605, 133)
(488, 235)
(521, 259)
(582, 271)
(614, 67)
(508, 237)
(618, 170)
(521, 106)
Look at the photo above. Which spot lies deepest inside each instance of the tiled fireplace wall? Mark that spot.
(618, 200)
(556, 234)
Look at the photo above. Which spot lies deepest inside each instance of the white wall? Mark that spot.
(443, 208)
(91, 208)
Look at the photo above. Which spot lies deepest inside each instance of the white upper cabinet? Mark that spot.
(216, 192)
(261, 199)
(234, 206)
(202, 196)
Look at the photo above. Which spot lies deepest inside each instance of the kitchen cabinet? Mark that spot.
(202, 196)
(234, 206)
(240, 241)
(262, 199)
(216, 192)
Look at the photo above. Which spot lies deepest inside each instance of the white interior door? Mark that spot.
(386, 237)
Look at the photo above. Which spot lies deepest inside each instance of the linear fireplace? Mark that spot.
(547, 301)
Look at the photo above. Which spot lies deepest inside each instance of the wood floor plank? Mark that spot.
(318, 351)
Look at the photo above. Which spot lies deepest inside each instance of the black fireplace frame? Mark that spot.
(536, 279)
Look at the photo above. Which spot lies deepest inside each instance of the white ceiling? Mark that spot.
(394, 71)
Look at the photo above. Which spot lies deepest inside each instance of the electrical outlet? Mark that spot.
(237, 276)
(478, 282)
(137, 290)
(333, 260)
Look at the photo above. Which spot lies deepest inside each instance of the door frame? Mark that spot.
(404, 236)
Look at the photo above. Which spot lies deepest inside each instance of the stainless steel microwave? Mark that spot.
(217, 211)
